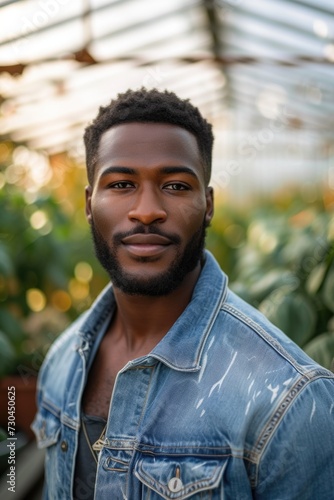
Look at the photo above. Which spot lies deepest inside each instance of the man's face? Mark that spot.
(148, 207)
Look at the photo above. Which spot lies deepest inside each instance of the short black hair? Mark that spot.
(149, 106)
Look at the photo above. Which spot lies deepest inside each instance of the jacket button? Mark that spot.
(175, 484)
(64, 445)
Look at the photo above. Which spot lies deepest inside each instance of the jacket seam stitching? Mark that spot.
(270, 429)
(211, 322)
(47, 405)
(240, 456)
(272, 342)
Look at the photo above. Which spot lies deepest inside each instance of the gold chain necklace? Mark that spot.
(97, 446)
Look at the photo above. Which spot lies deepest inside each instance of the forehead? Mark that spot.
(148, 143)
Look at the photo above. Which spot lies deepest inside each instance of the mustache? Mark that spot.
(118, 237)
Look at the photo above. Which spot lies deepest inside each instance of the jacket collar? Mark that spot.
(182, 346)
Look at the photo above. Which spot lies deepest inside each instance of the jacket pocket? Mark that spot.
(176, 478)
(46, 427)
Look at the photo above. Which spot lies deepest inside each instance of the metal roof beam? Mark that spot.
(214, 25)
(99, 9)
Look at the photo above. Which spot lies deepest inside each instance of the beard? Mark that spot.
(164, 282)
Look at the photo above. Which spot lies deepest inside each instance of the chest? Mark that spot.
(182, 443)
(111, 357)
(101, 380)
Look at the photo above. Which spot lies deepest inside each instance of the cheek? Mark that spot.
(192, 213)
(105, 214)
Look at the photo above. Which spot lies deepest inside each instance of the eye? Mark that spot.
(177, 186)
(121, 185)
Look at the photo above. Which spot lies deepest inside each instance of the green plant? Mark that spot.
(284, 266)
(41, 286)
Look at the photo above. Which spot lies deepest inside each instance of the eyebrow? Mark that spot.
(118, 170)
(179, 170)
(165, 170)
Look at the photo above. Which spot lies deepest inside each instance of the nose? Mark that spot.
(147, 207)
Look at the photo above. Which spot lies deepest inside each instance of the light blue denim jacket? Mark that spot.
(224, 407)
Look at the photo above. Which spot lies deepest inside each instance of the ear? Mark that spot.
(209, 205)
(88, 210)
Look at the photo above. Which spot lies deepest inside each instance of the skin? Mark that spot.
(134, 188)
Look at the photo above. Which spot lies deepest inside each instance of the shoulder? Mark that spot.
(65, 341)
(254, 333)
(60, 357)
(63, 358)
(260, 370)
(276, 404)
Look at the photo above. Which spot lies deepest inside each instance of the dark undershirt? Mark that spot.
(85, 467)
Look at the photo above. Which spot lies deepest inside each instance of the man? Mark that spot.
(171, 386)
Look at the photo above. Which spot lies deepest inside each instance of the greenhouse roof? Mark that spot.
(61, 59)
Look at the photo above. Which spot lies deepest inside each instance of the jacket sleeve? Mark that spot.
(297, 463)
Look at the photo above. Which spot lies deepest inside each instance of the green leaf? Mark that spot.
(328, 289)
(321, 349)
(271, 281)
(11, 326)
(6, 264)
(316, 277)
(293, 313)
(3, 434)
(7, 355)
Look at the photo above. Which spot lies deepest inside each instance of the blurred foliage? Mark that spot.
(48, 270)
(278, 253)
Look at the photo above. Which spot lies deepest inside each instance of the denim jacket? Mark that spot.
(224, 407)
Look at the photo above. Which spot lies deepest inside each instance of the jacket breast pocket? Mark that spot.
(176, 478)
(47, 429)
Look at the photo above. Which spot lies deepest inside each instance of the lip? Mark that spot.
(146, 245)
(146, 239)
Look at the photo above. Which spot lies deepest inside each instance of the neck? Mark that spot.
(143, 321)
